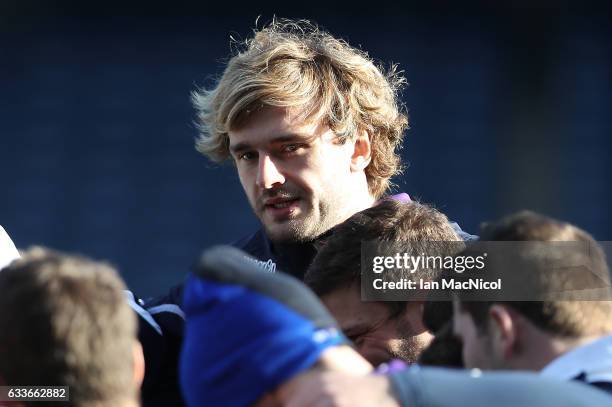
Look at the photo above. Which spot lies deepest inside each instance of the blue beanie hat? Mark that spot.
(247, 330)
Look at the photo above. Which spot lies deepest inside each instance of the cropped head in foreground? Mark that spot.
(561, 337)
(249, 331)
(65, 321)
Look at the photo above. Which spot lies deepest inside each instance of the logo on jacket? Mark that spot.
(268, 265)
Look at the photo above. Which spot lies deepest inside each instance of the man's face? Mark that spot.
(378, 336)
(477, 349)
(295, 174)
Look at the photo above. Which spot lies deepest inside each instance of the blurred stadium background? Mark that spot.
(510, 108)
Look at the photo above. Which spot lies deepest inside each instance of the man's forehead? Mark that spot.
(266, 117)
(269, 135)
(371, 317)
(344, 302)
(269, 124)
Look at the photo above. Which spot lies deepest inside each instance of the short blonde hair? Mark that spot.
(294, 64)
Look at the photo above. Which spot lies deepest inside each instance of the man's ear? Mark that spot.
(362, 152)
(503, 330)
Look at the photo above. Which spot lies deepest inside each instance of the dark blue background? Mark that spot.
(510, 108)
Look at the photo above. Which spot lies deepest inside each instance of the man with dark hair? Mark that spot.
(561, 338)
(64, 321)
(382, 330)
(271, 343)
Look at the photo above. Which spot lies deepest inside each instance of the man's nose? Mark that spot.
(268, 174)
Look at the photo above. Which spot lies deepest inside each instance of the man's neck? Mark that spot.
(295, 257)
(541, 349)
(362, 200)
(563, 346)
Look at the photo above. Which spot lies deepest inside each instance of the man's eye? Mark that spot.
(249, 155)
(291, 148)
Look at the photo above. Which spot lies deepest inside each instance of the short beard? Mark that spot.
(308, 229)
(303, 231)
(410, 347)
(409, 350)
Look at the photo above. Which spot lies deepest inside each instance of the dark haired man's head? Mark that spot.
(65, 321)
(530, 334)
(381, 331)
